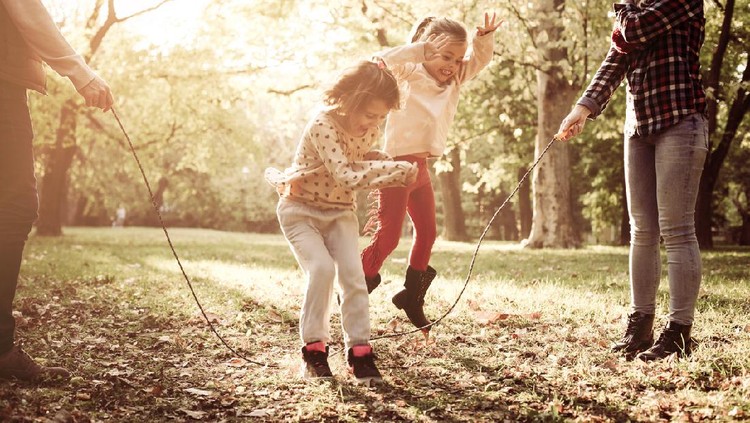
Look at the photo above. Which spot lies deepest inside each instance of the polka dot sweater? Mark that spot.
(330, 165)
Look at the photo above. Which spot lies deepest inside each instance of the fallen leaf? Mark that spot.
(610, 364)
(237, 362)
(83, 396)
(487, 317)
(473, 305)
(258, 413)
(198, 415)
(155, 390)
(275, 316)
(199, 392)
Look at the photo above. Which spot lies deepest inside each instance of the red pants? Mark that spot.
(418, 199)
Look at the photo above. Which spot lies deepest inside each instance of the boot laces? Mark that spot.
(634, 322)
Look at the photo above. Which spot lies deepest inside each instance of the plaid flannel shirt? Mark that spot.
(657, 45)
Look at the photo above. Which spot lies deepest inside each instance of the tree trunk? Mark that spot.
(704, 210)
(54, 182)
(524, 205)
(454, 222)
(553, 224)
(737, 110)
(745, 230)
(625, 222)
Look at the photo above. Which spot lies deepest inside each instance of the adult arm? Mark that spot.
(41, 34)
(596, 97)
(640, 25)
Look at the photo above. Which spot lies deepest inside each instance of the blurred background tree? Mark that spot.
(213, 92)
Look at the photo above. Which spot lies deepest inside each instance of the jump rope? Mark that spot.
(393, 335)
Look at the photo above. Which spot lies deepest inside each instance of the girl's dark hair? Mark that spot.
(431, 25)
(360, 84)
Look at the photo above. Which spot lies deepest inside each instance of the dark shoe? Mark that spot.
(316, 363)
(363, 368)
(675, 339)
(372, 283)
(411, 298)
(639, 335)
(16, 364)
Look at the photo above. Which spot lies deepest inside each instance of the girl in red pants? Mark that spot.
(416, 133)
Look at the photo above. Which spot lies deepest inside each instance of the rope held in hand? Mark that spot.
(171, 246)
(476, 250)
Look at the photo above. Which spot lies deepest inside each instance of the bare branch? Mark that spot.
(112, 19)
(387, 11)
(524, 22)
(290, 92)
(141, 12)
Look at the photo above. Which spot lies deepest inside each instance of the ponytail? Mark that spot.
(420, 29)
(432, 25)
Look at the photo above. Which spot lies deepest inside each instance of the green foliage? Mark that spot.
(235, 93)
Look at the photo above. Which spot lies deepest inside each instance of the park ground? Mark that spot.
(528, 340)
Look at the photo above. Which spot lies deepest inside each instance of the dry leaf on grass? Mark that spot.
(197, 415)
(199, 392)
(236, 362)
(487, 317)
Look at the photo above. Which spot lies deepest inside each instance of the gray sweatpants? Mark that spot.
(324, 242)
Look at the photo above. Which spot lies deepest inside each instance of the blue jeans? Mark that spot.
(662, 174)
(18, 198)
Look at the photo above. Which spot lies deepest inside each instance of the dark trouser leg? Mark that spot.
(18, 198)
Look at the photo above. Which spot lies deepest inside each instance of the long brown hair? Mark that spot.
(431, 25)
(360, 84)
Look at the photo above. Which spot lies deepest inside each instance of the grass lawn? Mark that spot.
(528, 340)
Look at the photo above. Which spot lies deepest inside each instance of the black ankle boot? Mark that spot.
(411, 298)
(639, 335)
(674, 339)
(372, 283)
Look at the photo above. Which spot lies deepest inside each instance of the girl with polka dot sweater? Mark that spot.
(334, 158)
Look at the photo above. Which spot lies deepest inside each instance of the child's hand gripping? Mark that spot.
(411, 174)
(489, 24)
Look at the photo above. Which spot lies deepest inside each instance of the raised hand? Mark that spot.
(433, 44)
(490, 25)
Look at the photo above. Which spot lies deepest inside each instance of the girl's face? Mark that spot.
(370, 115)
(447, 61)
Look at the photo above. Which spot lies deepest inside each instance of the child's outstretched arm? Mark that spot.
(482, 47)
(402, 60)
(358, 175)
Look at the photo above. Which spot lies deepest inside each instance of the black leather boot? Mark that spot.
(639, 335)
(411, 298)
(372, 283)
(675, 339)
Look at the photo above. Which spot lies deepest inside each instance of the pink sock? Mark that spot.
(361, 350)
(316, 346)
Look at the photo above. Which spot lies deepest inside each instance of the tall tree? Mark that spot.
(553, 224)
(53, 193)
(728, 103)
